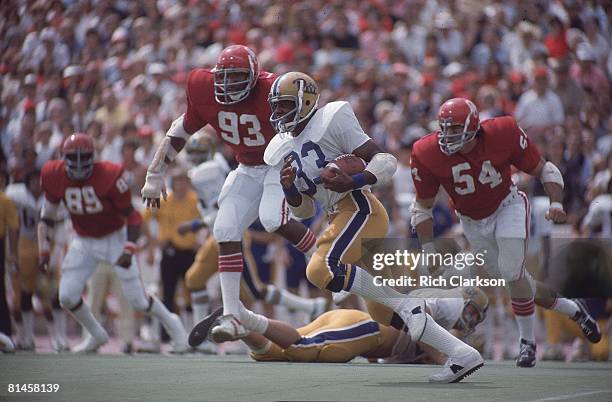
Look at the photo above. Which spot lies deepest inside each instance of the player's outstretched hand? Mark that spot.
(339, 183)
(153, 189)
(557, 215)
(287, 173)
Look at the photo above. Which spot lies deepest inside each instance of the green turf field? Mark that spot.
(196, 378)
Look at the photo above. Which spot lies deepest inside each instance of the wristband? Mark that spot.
(291, 192)
(429, 248)
(129, 247)
(556, 205)
(359, 180)
(195, 224)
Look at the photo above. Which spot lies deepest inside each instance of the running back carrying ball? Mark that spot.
(348, 163)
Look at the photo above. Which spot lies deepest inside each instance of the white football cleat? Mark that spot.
(6, 344)
(177, 332)
(228, 328)
(340, 296)
(91, 343)
(458, 367)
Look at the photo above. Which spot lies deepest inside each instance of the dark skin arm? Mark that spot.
(133, 233)
(287, 177)
(342, 182)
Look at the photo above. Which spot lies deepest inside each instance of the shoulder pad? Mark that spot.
(324, 117)
(278, 148)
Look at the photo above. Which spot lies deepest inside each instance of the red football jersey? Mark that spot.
(244, 126)
(94, 204)
(478, 181)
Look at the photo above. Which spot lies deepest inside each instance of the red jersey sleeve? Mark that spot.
(192, 121)
(425, 183)
(525, 154)
(49, 180)
(120, 194)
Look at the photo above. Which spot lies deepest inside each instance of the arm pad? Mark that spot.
(551, 174)
(420, 214)
(305, 210)
(177, 130)
(382, 166)
(165, 149)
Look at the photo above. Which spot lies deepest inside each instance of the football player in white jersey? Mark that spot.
(341, 335)
(207, 177)
(28, 199)
(307, 139)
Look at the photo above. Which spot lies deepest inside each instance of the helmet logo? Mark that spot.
(307, 87)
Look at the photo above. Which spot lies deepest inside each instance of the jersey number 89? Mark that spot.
(81, 200)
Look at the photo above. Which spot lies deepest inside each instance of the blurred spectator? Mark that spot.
(112, 112)
(569, 91)
(539, 107)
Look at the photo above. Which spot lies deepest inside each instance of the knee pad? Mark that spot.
(417, 320)
(224, 232)
(26, 301)
(139, 301)
(271, 220)
(69, 302)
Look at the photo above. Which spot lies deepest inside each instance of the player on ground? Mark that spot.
(339, 336)
(207, 177)
(28, 199)
(309, 137)
(472, 161)
(232, 98)
(99, 202)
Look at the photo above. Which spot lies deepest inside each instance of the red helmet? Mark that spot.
(78, 154)
(457, 112)
(233, 60)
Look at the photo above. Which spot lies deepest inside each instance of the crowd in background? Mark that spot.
(116, 70)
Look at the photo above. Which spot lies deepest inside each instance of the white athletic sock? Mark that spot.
(230, 290)
(439, 338)
(200, 305)
(524, 311)
(525, 325)
(51, 331)
(307, 244)
(88, 321)
(363, 285)
(296, 302)
(565, 306)
(252, 321)
(308, 253)
(59, 322)
(28, 326)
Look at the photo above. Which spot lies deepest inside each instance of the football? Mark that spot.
(348, 163)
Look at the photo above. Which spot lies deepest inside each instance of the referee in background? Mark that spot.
(178, 250)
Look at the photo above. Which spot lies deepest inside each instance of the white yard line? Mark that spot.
(571, 396)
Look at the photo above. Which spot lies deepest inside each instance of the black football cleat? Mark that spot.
(527, 354)
(587, 324)
(201, 330)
